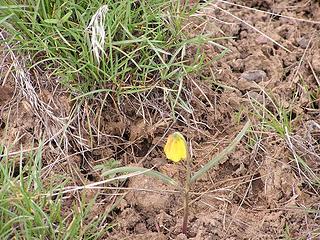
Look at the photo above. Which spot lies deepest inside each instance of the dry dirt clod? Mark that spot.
(254, 75)
(147, 194)
(148, 235)
(5, 94)
(181, 236)
(140, 228)
(303, 42)
(316, 62)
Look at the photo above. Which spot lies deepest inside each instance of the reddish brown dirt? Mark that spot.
(258, 192)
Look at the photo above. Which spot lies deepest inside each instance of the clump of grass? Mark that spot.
(92, 44)
(28, 210)
(280, 121)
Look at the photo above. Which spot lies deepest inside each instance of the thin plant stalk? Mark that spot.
(186, 195)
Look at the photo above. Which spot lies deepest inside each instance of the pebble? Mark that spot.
(261, 39)
(181, 236)
(254, 75)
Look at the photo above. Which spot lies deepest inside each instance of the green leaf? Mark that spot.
(216, 159)
(2, 20)
(66, 17)
(51, 21)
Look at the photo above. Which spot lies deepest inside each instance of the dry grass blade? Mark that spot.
(50, 122)
(96, 28)
(306, 171)
(96, 184)
(145, 171)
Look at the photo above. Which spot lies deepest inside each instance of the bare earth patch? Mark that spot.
(259, 191)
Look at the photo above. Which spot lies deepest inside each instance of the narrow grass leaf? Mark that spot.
(2, 20)
(221, 155)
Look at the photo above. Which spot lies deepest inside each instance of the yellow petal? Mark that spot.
(176, 147)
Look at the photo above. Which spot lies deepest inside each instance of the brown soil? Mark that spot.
(259, 191)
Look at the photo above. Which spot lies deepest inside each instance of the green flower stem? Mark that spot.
(186, 195)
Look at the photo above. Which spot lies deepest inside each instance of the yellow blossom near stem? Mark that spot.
(176, 148)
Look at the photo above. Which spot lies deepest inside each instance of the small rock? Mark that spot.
(181, 236)
(261, 39)
(256, 96)
(254, 75)
(303, 42)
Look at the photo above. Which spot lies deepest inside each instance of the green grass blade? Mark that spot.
(2, 20)
(216, 159)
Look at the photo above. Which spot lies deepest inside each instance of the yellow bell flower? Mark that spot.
(176, 148)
